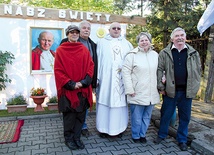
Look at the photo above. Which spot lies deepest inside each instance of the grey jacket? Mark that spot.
(165, 63)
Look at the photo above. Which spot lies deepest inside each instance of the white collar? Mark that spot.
(173, 46)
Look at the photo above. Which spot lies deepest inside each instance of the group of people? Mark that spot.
(122, 75)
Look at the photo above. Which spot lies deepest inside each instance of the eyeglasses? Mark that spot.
(72, 32)
(116, 28)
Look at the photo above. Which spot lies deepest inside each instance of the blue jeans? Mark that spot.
(84, 124)
(140, 119)
(184, 113)
(173, 119)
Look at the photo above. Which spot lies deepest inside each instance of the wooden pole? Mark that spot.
(210, 81)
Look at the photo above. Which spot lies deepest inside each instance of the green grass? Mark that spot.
(28, 112)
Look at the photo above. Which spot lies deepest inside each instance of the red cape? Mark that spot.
(73, 62)
(36, 53)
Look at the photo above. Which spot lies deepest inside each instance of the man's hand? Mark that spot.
(162, 92)
(132, 95)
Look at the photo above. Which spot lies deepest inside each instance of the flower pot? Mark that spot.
(38, 100)
(16, 108)
(52, 106)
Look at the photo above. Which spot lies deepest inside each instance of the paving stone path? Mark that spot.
(43, 135)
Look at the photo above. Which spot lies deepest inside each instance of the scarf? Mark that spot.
(73, 62)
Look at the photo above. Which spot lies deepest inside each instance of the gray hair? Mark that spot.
(148, 35)
(112, 24)
(43, 32)
(176, 29)
(84, 22)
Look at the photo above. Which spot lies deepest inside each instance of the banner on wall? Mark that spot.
(26, 12)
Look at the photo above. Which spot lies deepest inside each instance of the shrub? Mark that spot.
(5, 58)
(53, 99)
(17, 100)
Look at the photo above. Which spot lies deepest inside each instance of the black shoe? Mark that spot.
(136, 140)
(183, 146)
(85, 132)
(143, 140)
(79, 144)
(103, 135)
(71, 145)
(158, 140)
(120, 135)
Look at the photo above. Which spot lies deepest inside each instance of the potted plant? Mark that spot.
(38, 95)
(52, 103)
(5, 58)
(17, 103)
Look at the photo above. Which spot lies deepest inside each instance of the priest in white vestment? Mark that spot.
(111, 109)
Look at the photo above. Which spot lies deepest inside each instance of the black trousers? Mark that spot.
(73, 122)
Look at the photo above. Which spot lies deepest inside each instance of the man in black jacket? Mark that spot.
(85, 31)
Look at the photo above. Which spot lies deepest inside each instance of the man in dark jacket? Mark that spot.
(182, 67)
(85, 31)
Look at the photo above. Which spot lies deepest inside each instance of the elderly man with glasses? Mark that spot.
(111, 105)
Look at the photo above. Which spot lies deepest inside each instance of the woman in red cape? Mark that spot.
(73, 69)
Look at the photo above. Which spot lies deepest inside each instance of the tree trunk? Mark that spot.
(210, 81)
(165, 29)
